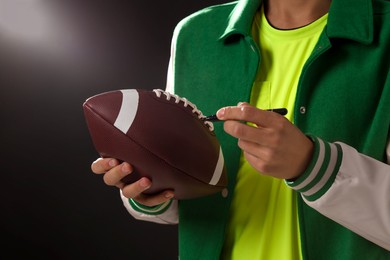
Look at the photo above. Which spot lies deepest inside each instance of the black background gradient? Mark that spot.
(53, 55)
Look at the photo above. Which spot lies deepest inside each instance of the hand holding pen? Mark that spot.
(270, 143)
(280, 111)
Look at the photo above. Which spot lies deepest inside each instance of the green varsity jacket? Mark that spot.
(343, 100)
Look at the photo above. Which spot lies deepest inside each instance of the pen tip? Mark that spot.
(211, 118)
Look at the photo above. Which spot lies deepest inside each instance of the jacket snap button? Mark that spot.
(225, 192)
(302, 110)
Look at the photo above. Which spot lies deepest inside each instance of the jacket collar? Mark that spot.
(348, 19)
(351, 19)
(241, 17)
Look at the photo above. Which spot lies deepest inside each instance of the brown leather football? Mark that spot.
(163, 136)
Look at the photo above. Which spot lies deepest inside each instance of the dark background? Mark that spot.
(53, 55)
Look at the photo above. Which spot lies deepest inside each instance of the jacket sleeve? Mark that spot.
(349, 188)
(166, 213)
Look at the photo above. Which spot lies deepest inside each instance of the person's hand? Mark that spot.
(271, 144)
(113, 171)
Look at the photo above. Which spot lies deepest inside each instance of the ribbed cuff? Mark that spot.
(155, 210)
(321, 171)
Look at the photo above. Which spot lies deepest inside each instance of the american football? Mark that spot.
(163, 136)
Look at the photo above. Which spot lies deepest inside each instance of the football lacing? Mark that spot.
(187, 103)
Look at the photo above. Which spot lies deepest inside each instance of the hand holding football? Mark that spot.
(164, 137)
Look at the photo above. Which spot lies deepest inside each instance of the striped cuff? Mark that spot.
(155, 210)
(321, 172)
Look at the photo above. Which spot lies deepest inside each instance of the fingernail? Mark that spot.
(125, 168)
(145, 183)
(221, 113)
(112, 163)
(168, 195)
(240, 104)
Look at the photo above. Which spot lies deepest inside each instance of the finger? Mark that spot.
(136, 188)
(251, 148)
(114, 176)
(271, 136)
(242, 131)
(267, 137)
(247, 113)
(262, 166)
(240, 104)
(102, 165)
(153, 200)
(266, 154)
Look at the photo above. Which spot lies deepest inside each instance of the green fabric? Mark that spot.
(345, 96)
(155, 210)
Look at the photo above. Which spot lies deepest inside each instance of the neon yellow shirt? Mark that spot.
(263, 221)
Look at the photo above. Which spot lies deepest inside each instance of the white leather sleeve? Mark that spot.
(170, 78)
(359, 197)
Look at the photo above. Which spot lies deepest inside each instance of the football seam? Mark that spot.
(148, 150)
(186, 109)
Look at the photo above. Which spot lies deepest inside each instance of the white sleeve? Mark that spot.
(171, 68)
(166, 213)
(358, 194)
(170, 78)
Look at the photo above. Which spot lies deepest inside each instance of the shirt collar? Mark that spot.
(349, 19)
